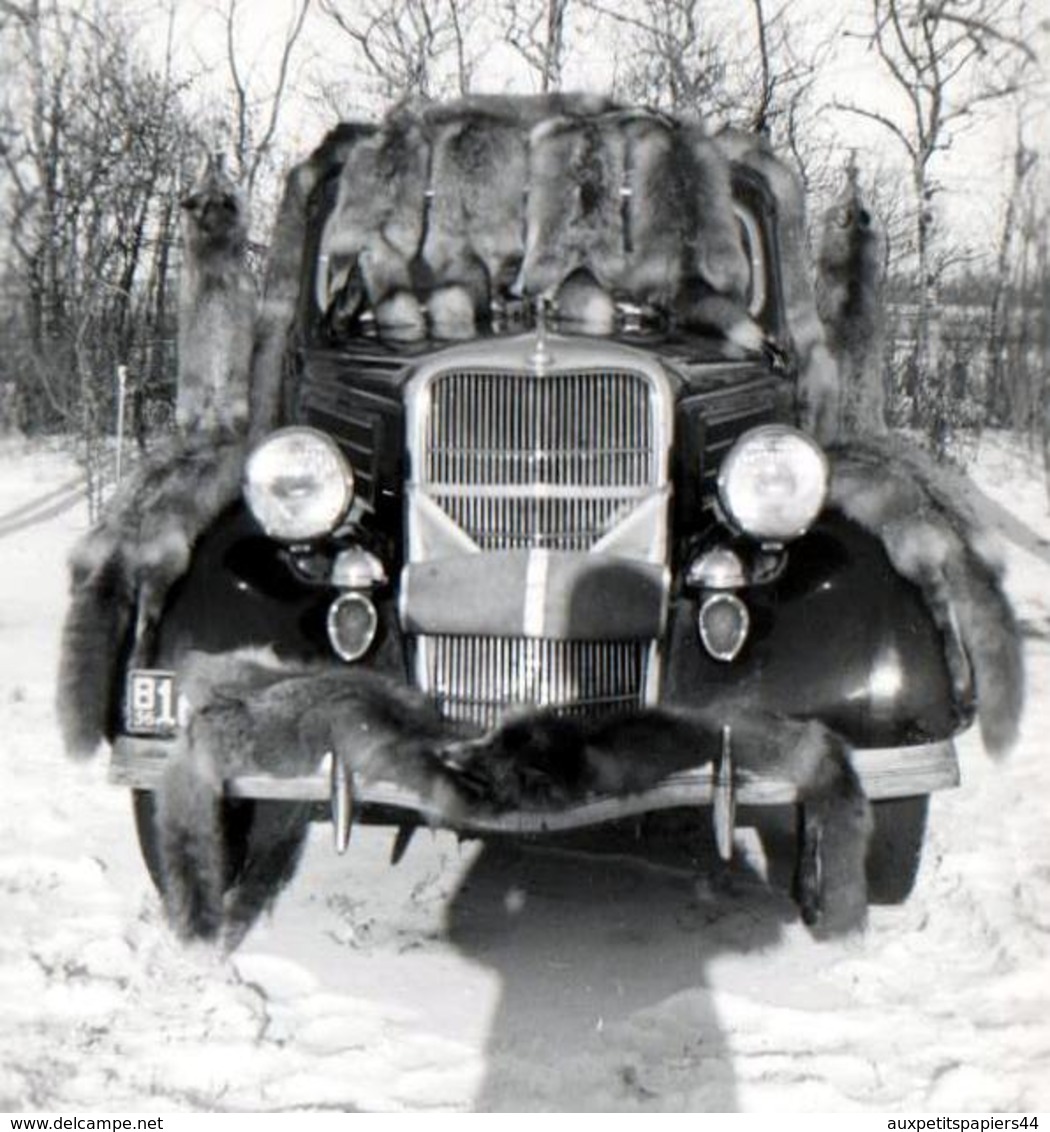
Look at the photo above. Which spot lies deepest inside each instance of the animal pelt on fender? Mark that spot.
(122, 570)
(919, 511)
(252, 719)
(216, 306)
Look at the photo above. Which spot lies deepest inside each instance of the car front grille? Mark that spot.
(519, 460)
(477, 679)
(512, 455)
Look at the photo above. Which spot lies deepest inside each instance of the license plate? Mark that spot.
(149, 705)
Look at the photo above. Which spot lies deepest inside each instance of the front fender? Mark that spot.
(838, 636)
(242, 592)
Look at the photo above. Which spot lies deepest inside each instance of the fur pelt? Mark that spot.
(476, 225)
(122, 570)
(546, 761)
(222, 865)
(251, 718)
(681, 222)
(818, 381)
(459, 206)
(574, 216)
(376, 227)
(919, 511)
(850, 272)
(216, 305)
(284, 271)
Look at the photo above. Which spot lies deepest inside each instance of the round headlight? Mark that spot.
(773, 483)
(298, 484)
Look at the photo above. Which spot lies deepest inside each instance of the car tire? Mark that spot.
(895, 848)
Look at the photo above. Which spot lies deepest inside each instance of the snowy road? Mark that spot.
(498, 978)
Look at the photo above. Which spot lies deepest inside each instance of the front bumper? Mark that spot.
(884, 773)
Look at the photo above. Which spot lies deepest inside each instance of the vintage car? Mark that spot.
(545, 514)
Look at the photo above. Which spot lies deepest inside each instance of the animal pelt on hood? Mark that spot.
(574, 217)
(919, 511)
(376, 227)
(681, 222)
(122, 569)
(475, 229)
(251, 719)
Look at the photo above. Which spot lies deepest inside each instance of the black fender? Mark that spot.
(243, 591)
(838, 636)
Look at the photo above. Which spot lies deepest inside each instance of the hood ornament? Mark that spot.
(541, 356)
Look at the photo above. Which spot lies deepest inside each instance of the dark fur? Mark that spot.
(376, 227)
(216, 306)
(681, 221)
(476, 224)
(546, 762)
(920, 513)
(850, 269)
(284, 271)
(574, 215)
(283, 722)
(123, 568)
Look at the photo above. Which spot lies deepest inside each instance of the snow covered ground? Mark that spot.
(602, 978)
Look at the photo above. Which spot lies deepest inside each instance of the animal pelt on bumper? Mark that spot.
(250, 719)
(919, 511)
(122, 569)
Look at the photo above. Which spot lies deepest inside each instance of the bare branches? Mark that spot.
(945, 59)
(537, 32)
(406, 46)
(676, 61)
(253, 137)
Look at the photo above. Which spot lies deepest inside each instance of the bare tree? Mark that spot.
(419, 47)
(946, 58)
(999, 398)
(536, 29)
(675, 59)
(91, 139)
(256, 113)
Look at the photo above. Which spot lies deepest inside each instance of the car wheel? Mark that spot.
(895, 849)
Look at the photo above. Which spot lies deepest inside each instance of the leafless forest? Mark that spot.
(104, 117)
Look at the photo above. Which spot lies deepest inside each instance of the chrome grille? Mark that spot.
(475, 679)
(519, 459)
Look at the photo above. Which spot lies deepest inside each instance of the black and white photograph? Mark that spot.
(525, 557)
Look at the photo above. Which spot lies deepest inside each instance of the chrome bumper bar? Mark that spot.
(890, 772)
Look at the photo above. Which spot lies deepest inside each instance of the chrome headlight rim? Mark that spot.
(820, 469)
(264, 502)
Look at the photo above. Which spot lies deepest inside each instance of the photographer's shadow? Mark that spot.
(602, 943)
